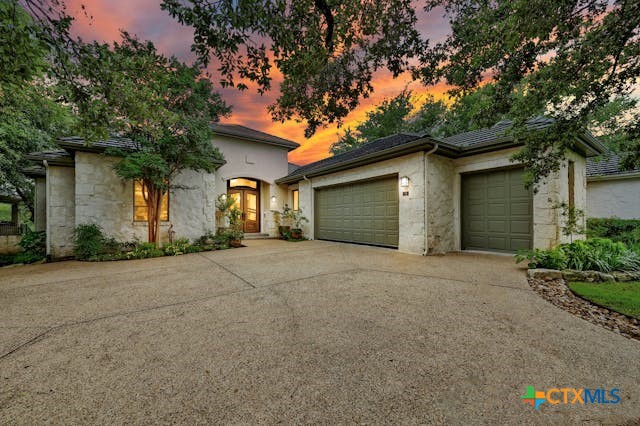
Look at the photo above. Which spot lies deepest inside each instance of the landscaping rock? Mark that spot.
(571, 275)
(544, 274)
(556, 292)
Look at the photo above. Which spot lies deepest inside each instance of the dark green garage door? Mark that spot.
(497, 211)
(360, 212)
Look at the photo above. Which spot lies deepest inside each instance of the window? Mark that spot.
(572, 184)
(247, 183)
(296, 198)
(140, 204)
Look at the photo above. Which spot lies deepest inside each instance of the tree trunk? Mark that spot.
(154, 198)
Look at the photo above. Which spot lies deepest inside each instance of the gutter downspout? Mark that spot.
(426, 216)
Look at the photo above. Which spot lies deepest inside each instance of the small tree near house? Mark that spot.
(163, 105)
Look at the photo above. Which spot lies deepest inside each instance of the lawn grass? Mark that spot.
(620, 297)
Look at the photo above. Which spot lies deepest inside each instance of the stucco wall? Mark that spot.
(411, 218)
(614, 198)
(60, 193)
(440, 205)
(257, 161)
(105, 199)
(40, 204)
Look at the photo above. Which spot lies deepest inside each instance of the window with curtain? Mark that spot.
(140, 205)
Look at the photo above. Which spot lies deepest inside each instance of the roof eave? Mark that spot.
(616, 176)
(374, 157)
(290, 146)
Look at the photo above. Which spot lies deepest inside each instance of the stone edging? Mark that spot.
(553, 288)
(586, 276)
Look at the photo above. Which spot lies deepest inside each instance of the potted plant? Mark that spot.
(235, 237)
(284, 221)
(298, 219)
(223, 205)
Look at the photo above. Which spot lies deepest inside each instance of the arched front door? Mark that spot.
(246, 192)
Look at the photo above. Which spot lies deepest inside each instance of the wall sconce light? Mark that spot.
(273, 199)
(404, 182)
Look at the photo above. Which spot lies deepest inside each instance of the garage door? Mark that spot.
(360, 212)
(496, 211)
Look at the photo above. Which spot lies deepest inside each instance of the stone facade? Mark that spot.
(103, 198)
(40, 204)
(412, 206)
(61, 211)
(440, 205)
(9, 244)
(435, 187)
(609, 198)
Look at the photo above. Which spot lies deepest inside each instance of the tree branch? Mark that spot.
(328, 16)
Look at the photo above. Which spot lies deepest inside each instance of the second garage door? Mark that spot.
(496, 211)
(361, 212)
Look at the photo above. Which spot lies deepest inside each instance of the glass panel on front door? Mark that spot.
(246, 194)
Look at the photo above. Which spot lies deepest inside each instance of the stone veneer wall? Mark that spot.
(412, 207)
(40, 204)
(61, 215)
(105, 199)
(9, 244)
(552, 191)
(440, 205)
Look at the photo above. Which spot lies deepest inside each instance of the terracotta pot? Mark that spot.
(296, 234)
(235, 243)
(283, 229)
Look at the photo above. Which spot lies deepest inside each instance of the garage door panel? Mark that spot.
(496, 211)
(368, 212)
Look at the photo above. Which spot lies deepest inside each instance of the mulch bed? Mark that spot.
(557, 292)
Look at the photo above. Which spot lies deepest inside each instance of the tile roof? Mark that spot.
(80, 143)
(34, 171)
(381, 145)
(244, 132)
(57, 156)
(607, 165)
(493, 134)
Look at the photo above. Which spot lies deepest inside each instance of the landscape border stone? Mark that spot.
(585, 276)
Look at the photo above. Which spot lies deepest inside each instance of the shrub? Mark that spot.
(33, 244)
(143, 251)
(595, 254)
(89, 241)
(623, 230)
(176, 248)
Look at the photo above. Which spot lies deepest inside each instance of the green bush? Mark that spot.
(623, 230)
(176, 248)
(595, 254)
(33, 243)
(143, 251)
(89, 241)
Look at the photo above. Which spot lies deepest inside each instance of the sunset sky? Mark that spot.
(145, 19)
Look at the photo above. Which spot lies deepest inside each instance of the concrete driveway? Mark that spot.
(298, 333)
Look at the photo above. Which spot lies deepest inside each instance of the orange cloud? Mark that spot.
(145, 19)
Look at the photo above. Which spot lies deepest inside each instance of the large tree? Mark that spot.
(163, 105)
(566, 58)
(31, 114)
(327, 51)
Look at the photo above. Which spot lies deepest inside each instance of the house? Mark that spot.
(424, 195)
(406, 191)
(612, 192)
(76, 184)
